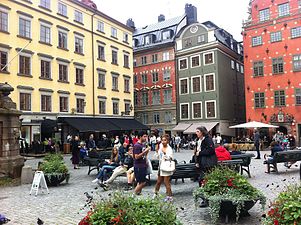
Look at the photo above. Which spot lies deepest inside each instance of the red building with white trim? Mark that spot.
(272, 51)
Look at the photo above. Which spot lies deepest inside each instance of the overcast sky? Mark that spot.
(225, 14)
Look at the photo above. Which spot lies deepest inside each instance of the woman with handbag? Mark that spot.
(166, 165)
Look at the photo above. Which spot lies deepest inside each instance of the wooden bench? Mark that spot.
(290, 156)
(96, 159)
(185, 170)
(245, 166)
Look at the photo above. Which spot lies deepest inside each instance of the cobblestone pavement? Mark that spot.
(63, 204)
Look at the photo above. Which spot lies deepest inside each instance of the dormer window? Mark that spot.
(166, 35)
(147, 40)
(135, 42)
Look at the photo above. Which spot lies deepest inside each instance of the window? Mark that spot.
(45, 34)
(127, 108)
(135, 62)
(209, 82)
(296, 32)
(101, 52)
(258, 68)
(264, 15)
(184, 108)
(276, 36)
(168, 117)
(155, 76)
(78, 16)
(195, 61)
(259, 100)
(45, 4)
(115, 82)
(208, 58)
(278, 65)
(144, 97)
(135, 79)
(166, 74)
(125, 37)
(45, 69)
(166, 35)
(114, 57)
(126, 62)
(144, 78)
(79, 76)
(165, 56)
(237, 67)
(156, 97)
(136, 98)
(46, 103)
(183, 64)
(3, 61)
(156, 117)
(183, 86)
(210, 109)
(126, 85)
(63, 104)
(201, 38)
(100, 26)
(241, 68)
(24, 27)
(25, 101)
(114, 32)
(297, 62)
(63, 73)
(145, 118)
(143, 60)
(147, 40)
(101, 80)
(197, 110)
(62, 40)
(187, 42)
(256, 41)
(154, 58)
(80, 105)
(3, 21)
(279, 98)
(62, 9)
(102, 106)
(79, 45)
(167, 96)
(232, 64)
(24, 65)
(283, 9)
(298, 96)
(196, 84)
(115, 108)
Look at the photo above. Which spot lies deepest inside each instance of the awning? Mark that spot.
(128, 124)
(192, 128)
(181, 126)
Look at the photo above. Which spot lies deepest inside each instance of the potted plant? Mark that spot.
(286, 209)
(55, 169)
(228, 193)
(121, 209)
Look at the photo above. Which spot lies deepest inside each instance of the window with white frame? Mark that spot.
(114, 57)
(264, 15)
(259, 100)
(115, 82)
(100, 26)
(78, 16)
(63, 72)
(296, 32)
(126, 60)
(165, 56)
(45, 103)
(63, 37)
(127, 84)
(144, 118)
(195, 61)
(258, 68)
(183, 64)
(184, 86)
(278, 65)
(237, 67)
(114, 32)
(45, 69)
(232, 64)
(144, 98)
(166, 74)
(196, 84)
(115, 107)
(101, 52)
(168, 117)
(62, 9)
(256, 41)
(102, 106)
(241, 68)
(45, 33)
(125, 37)
(147, 39)
(80, 105)
(283, 9)
(127, 106)
(45, 4)
(3, 60)
(25, 101)
(156, 117)
(24, 64)
(3, 21)
(144, 78)
(156, 97)
(197, 110)
(279, 98)
(210, 109)
(79, 45)
(143, 60)
(155, 76)
(297, 62)
(184, 111)
(101, 79)
(154, 58)
(64, 104)
(167, 94)
(209, 82)
(298, 96)
(166, 35)
(201, 38)
(24, 27)
(79, 75)
(208, 58)
(276, 36)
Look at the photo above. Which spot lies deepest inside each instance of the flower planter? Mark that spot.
(56, 179)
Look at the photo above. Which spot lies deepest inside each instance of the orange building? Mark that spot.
(272, 48)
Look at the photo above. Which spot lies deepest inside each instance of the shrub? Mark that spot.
(53, 163)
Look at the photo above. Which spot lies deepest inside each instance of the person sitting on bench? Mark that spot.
(275, 147)
(222, 153)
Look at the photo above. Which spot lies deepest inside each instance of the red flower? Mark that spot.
(230, 182)
(276, 222)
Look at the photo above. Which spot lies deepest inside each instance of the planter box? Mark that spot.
(56, 179)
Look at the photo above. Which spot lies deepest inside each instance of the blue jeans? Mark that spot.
(103, 173)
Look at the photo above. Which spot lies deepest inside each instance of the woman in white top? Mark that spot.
(164, 152)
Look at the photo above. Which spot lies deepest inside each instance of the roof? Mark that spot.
(159, 26)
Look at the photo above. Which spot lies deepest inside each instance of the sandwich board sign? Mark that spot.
(38, 181)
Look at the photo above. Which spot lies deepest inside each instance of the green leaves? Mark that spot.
(53, 163)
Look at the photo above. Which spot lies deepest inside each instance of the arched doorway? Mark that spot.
(282, 129)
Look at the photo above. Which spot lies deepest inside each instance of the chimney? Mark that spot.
(130, 23)
(89, 3)
(191, 13)
(161, 18)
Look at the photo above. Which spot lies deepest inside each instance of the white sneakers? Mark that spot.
(95, 180)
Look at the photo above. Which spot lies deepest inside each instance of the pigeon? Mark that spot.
(40, 222)
(90, 197)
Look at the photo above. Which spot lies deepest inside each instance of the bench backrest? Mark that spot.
(287, 156)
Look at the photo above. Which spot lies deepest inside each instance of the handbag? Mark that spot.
(168, 165)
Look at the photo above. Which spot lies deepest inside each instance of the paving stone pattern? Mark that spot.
(64, 203)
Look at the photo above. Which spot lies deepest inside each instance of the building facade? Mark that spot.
(64, 58)
(155, 70)
(271, 38)
(210, 79)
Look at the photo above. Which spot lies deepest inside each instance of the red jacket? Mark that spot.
(222, 154)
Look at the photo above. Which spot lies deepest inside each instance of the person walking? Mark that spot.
(75, 146)
(164, 153)
(257, 143)
(140, 152)
(177, 142)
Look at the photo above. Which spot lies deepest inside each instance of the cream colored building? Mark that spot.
(64, 58)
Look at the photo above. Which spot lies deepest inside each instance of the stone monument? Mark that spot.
(11, 162)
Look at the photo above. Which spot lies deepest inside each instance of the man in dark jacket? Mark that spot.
(257, 143)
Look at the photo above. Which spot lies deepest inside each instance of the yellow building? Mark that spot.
(64, 58)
